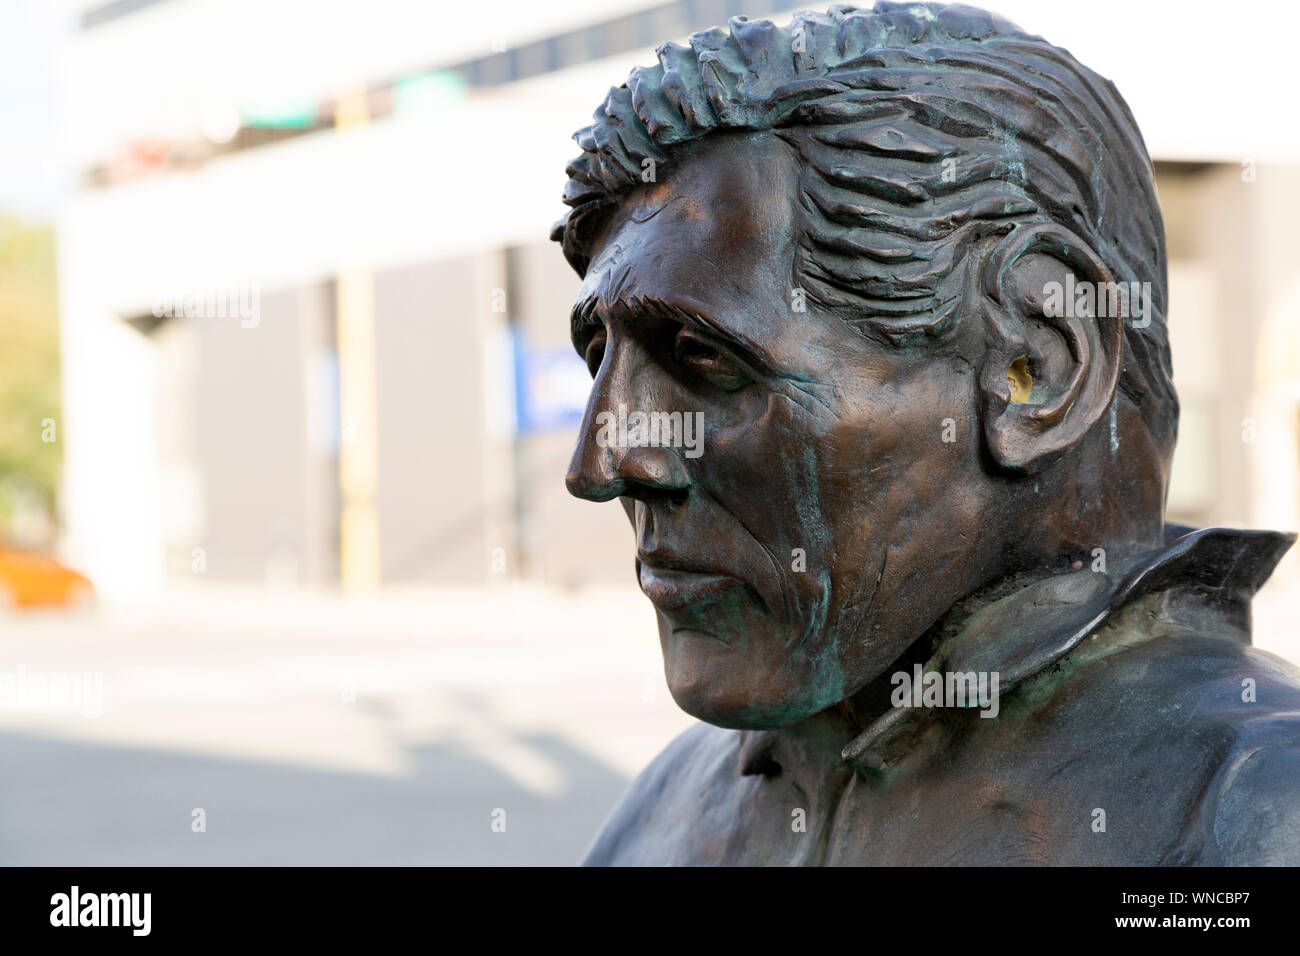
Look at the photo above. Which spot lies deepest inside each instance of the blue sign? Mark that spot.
(551, 387)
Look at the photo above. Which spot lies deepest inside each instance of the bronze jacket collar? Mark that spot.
(1020, 635)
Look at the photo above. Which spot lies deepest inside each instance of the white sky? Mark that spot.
(28, 180)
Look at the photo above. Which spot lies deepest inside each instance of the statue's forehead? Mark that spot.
(718, 222)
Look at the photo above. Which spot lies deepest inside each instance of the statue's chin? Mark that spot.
(737, 704)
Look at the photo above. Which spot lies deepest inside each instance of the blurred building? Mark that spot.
(314, 333)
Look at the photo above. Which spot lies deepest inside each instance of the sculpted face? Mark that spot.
(826, 521)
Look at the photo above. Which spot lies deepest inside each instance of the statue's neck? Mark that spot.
(815, 745)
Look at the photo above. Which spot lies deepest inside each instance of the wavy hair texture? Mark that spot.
(921, 130)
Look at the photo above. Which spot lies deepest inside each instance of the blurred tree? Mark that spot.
(29, 382)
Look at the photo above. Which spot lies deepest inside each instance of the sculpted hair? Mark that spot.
(923, 132)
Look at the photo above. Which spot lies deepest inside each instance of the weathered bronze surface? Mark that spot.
(906, 267)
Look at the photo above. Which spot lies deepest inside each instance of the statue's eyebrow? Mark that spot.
(589, 315)
(584, 317)
(593, 311)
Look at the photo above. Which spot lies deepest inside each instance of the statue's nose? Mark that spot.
(607, 461)
(600, 473)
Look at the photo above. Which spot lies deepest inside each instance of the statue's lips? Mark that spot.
(672, 585)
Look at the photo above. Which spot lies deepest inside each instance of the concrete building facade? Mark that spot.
(380, 179)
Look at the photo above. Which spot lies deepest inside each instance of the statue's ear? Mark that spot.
(1054, 356)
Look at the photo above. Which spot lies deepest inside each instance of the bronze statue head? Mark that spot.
(839, 241)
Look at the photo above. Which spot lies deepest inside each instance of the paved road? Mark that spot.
(310, 730)
(318, 731)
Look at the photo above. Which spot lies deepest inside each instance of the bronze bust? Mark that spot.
(906, 267)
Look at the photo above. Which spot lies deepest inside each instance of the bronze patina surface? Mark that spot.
(906, 267)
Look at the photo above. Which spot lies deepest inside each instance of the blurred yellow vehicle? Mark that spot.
(28, 579)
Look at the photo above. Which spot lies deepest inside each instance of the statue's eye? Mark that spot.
(595, 352)
(710, 363)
